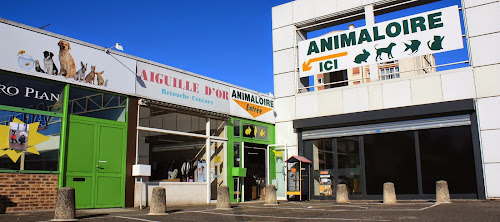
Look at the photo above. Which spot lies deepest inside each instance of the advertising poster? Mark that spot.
(252, 106)
(54, 58)
(179, 88)
(421, 34)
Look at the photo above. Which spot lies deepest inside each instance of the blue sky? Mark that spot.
(223, 39)
(229, 40)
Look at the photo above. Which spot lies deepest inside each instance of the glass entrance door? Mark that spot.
(336, 161)
(348, 165)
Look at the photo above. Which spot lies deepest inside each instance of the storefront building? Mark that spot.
(186, 132)
(87, 126)
(411, 130)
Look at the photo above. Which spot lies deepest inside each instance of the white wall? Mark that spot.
(480, 81)
(178, 193)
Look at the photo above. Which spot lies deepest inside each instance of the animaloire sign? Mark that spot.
(420, 34)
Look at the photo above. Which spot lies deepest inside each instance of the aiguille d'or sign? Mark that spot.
(420, 34)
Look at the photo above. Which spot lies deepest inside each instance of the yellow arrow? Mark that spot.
(307, 66)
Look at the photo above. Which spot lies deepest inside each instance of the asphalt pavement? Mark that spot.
(458, 210)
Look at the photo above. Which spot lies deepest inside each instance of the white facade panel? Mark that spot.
(487, 110)
(396, 94)
(426, 90)
(487, 79)
(492, 180)
(330, 102)
(303, 10)
(473, 3)
(355, 99)
(484, 50)
(282, 15)
(283, 61)
(283, 38)
(285, 109)
(483, 19)
(324, 7)
(284, 85)
(285, 134)
(458, 85)
(490, 140)
(346, 5)
(306, 106)
(375, 97)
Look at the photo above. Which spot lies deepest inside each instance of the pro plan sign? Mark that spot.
(420, 34)
(252, 106)
(178, 88)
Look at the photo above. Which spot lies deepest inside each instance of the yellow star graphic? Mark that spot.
(34, 139)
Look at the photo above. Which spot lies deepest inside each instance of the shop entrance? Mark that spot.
(95, 158)
(255, 162)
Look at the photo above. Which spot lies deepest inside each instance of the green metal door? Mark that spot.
(95, 162)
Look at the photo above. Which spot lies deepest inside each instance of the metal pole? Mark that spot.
(238, 190)
(140, 198)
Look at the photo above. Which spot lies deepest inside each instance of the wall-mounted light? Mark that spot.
(116, 46)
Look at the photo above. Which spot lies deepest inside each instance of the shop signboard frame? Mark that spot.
(420, 34)
(37, 53)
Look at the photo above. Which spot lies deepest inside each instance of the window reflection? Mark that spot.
(96, 104)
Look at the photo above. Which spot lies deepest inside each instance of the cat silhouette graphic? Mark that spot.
(437, 44)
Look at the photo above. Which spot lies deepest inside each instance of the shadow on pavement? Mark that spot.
(91, 216)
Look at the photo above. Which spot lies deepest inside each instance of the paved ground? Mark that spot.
(293, 211)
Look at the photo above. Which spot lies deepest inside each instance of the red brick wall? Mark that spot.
(27, 192)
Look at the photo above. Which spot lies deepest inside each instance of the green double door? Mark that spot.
(96, 162)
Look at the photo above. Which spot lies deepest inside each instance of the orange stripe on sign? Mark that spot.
(253, 109)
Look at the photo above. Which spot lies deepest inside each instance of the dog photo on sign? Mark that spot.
(18, 136)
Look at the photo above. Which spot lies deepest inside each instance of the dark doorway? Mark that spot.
(255, 163)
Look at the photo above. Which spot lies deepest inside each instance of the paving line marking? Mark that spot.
(278, 217)
(293, 208)
(429, 207)
(133, 218)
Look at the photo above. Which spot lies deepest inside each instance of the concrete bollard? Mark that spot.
(65, 204)
(442, 192)
(223, 197)
(389, 193)
(342, 194)
(158, 201)
(271, 198)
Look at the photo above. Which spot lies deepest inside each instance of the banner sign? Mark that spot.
(178, 88)
(49, 57)
(252, 106)
(421, 34)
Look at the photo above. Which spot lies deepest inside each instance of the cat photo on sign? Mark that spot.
(18, 136)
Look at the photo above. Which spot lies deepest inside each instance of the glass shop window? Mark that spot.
(30, 93)
(29, 141)
(237, 159)
(173, 158)
(255, 132)
(390, 157)
(324, 180)
(217, 127)
(160, 118)
(236, 128)
(89, 103)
